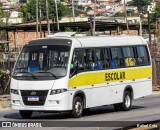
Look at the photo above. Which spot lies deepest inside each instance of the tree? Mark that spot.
(130, 3)
(80, 7)
(142, 5)
(29, 10)
(156, 13)
(62, 10)
(22, 1)
(88, 9)
(3, 14)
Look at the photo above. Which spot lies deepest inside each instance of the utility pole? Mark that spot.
(149, 28)
(91, 26)
(149, 10)
(94, 20)
(158, 30)
(125, 11)
(140, 25)
(40, 16)
(73, 10)
(57, 15)
(47, 15)
(36, 18)
(16, 39)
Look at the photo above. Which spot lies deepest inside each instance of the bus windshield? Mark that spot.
(43, 60)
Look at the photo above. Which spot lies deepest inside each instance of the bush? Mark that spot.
(4, 81)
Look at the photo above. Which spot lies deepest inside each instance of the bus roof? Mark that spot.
(99, 41)
(111, 41)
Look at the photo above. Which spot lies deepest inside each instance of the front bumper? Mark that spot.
(57, 102)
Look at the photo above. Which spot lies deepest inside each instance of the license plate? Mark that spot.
(33, 98)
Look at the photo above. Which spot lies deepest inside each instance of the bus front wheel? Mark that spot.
(77, 109)
(26, 114)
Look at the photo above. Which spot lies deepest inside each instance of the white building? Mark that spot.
(82, 2)
(122, 1)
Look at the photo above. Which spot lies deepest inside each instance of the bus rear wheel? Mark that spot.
(77, 109)
(26, 114)
(127, 102)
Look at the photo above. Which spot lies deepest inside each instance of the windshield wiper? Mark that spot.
(49, 73)
(33, 76)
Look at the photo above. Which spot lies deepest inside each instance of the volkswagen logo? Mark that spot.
(33, 93)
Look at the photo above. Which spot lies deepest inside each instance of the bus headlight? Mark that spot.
(57, 91)
(14, 91)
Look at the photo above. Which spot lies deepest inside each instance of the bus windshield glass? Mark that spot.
(43, 60)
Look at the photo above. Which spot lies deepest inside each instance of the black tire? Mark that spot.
(26, 114)
(116, 107)
(77, 109)
(127, 102)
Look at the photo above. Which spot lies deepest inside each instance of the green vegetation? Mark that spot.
(88, 9)
(141, 5)
(68, 29)
(3, 14)
(4, 81)
(156, 15)
(29, 10)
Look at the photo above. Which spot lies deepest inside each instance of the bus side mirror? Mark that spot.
(74, 68)
(71, 66)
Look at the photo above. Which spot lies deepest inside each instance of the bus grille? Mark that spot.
(42, 94)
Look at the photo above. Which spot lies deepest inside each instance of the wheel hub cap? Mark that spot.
(78, 108)
(127, 101)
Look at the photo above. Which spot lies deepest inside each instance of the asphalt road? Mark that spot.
(143, 109)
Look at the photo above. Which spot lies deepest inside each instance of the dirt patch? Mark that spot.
(5, 102)
(156, 88)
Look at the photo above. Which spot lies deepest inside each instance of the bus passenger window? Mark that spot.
(89, 59)
(77, 61)
(129, 56)
(99, 64)
(117, 60)
(143, 57)
(106, 58)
